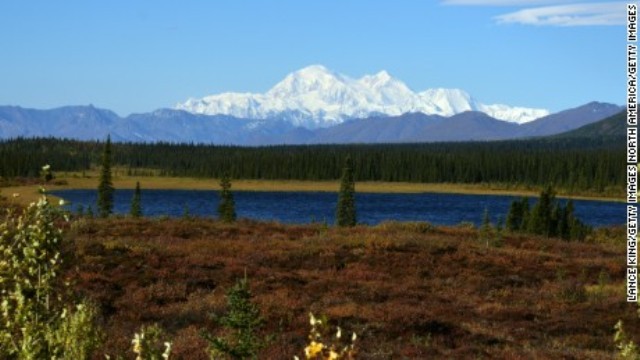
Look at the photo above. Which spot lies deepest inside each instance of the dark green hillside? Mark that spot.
(571, 164)
(612, 128)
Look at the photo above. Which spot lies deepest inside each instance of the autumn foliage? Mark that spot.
(409, 290)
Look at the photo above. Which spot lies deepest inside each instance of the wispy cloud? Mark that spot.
(584, 14)
(554, 12)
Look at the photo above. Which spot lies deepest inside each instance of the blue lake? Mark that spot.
(306, 207)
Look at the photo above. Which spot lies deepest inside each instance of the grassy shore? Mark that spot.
(89, 180)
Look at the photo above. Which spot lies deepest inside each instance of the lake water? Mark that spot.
(306, 207)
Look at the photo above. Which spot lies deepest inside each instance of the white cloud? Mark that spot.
(583, 14)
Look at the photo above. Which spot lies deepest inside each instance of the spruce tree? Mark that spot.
(574, 225)
(242, 322)
(136, 205)
(541, 219)
(514, 216)
(346, 209)
(548, 217)
(105, 187)
(227, 206)
(518, 215)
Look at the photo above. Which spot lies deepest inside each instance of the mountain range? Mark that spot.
(613, 128)
(171, 125)
(315, 97)
(310, 106)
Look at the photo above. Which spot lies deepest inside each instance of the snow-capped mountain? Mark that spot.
(169, 125)
(315, 97)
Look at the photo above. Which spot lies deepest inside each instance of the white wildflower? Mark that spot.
(137, 343)
(167, 351)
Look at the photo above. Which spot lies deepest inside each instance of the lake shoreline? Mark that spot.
(297, 207)
(29, 193)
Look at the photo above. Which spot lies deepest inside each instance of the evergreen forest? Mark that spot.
(570, 164)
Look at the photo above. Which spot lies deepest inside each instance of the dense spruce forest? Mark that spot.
(571, 164)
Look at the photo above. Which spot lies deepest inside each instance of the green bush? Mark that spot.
(242, 322)
(35, 322)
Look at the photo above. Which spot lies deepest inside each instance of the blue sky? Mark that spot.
(137, 56)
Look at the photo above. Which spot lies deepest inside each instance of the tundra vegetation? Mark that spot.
(627, 349)
(144, 287)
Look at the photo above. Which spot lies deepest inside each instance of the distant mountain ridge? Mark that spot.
(614, 128)
(315, 97)
(90, 123)
(467, 126)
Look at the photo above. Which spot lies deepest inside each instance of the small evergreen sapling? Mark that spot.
(227, 206)
(105, 187)
(136, 202)
(242, 322)
(346, 209)
(541, 217)
(518, 215)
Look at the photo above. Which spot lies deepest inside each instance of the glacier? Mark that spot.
(316, 97)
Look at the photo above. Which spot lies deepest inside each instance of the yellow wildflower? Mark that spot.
(333, 355)
(313, 349)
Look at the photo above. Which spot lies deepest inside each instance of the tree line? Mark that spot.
(569, 164)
